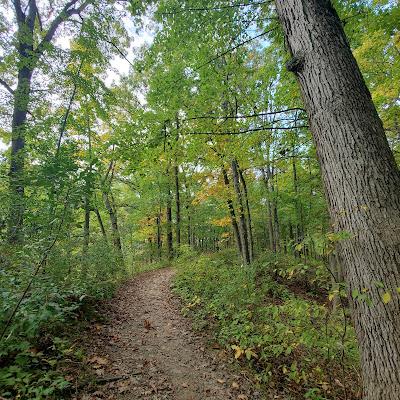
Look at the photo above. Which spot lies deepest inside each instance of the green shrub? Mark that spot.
(38, 339)
(287, 340)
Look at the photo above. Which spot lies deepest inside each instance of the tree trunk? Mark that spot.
(17, 156)
(86, 227)
(242, 219)
(170, 248)
(277, 230)
(361, 179)
(249, 222)
(232, 214)
(269, 209)
(88, 191)
(114, 223)
(159, 239)
(178, 207)
(177, 191)
(28, 57)
(100, 221)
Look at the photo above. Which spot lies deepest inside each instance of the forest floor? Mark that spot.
(147, 350)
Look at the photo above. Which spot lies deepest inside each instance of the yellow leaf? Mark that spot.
(386, 297)
(238, 351)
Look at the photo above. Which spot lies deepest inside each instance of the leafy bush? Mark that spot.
(33, 351)
(289, 341)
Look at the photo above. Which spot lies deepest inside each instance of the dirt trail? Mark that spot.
(149, 343)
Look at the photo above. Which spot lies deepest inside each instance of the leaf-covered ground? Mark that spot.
(147, 350)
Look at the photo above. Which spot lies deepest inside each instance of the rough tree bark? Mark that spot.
(361, 180)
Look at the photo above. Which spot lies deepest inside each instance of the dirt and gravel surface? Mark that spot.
(148, 350)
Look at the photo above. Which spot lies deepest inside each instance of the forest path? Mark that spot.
(149, 343)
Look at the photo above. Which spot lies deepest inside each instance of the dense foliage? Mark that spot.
(281, 325)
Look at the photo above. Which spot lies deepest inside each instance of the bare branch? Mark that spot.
(7, 86)
(119, 50)
(261, 128)
(230, 50)
(220, 8)
(243, 116)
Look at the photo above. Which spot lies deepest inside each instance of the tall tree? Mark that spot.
(361, 179)
(27, 61)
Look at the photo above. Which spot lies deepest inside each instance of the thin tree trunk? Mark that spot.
(297, 202)
(361, 180)
(88, 192)
(86, 227)
(114, 223)
(178, 207)
(170, 248)
(249, 221)
(242, 219)
(277, 232)
(159, 239)
(177, 190)
(101, 225)
(269, 209)
(188, 210)
(232, 214)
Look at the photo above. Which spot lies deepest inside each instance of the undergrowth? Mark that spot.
(287, 333)
(39, 351)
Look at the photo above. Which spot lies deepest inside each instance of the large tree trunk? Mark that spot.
(361, 179)
(17, 156)
(28, 57)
